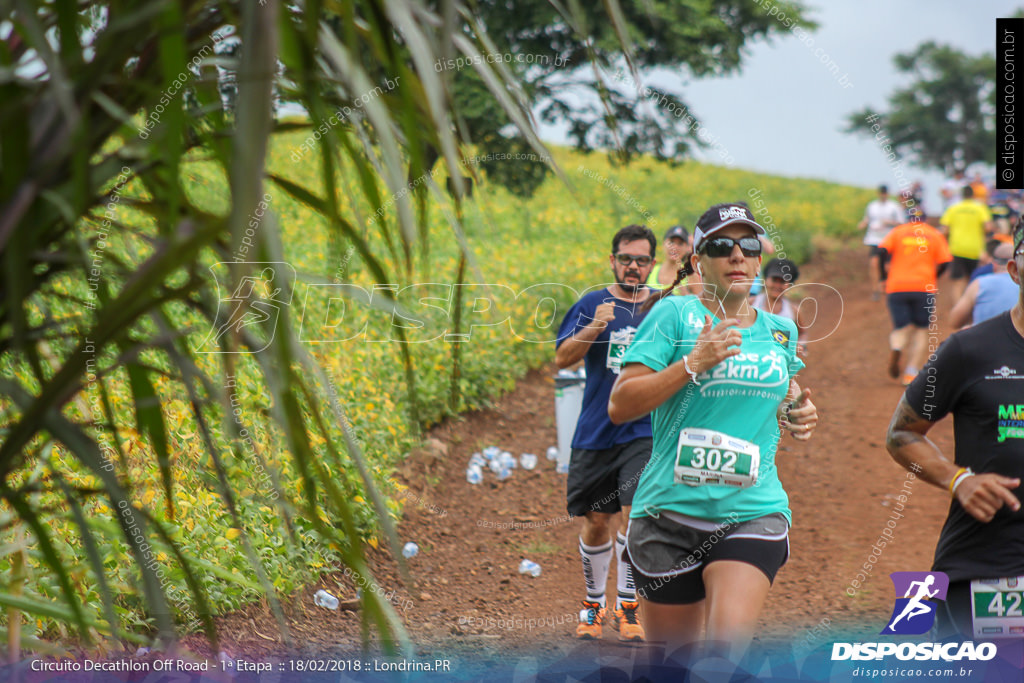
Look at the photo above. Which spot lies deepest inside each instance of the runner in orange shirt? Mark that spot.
(918, 254)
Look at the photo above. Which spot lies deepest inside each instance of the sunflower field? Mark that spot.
(458, 332)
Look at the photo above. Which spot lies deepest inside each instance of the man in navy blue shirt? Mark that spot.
(607, 459)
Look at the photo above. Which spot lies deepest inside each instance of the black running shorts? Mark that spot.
(669, 556)
(605, 480)
(962, 267)
(953, 616)
(910, 308)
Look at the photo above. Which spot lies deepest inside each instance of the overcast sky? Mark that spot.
(785, 111)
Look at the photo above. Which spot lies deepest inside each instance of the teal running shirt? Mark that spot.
(738, 397)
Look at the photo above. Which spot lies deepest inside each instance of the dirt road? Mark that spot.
(470, 600)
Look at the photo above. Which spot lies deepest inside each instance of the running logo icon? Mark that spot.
(914, 613)
(255, 304)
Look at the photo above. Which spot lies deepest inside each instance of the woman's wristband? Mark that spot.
(691, 373)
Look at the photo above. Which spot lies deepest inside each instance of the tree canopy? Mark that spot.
(575, 73)
(944, 117)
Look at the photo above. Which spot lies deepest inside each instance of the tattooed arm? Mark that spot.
(980, 495)
(910, 447)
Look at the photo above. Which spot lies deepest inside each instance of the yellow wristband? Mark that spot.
(961, 479)
(959, 473)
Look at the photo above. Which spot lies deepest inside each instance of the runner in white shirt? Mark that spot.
(779, 276)
(881, 216)
(952, 188)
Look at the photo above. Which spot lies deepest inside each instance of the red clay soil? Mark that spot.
(470, 601)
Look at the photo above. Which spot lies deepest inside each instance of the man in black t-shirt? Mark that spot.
(978, 376)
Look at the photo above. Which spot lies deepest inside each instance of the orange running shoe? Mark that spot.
(626, 621)
(591, 618)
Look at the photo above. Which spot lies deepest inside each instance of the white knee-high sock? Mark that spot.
(596, 563)
(623, 574)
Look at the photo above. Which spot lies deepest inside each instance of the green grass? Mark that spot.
(538, 547)
(557, 243)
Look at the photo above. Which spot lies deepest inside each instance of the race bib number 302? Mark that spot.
(705, 456)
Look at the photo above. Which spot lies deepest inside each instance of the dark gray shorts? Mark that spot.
(669, 556)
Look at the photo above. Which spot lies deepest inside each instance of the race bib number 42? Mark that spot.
(998, 607)
(705, 456)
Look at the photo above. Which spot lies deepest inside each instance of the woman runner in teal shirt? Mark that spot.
(710, 520)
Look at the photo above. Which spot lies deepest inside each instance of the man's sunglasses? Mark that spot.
(626, 259)
(720, 247)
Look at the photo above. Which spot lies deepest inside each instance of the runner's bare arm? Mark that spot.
(803, 319)
(908, 445)
(575, 347)
(981, 495)
(625, 403)
(962, 312)
(640, 389)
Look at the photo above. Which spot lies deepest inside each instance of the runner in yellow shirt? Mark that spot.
(964, 225)
(677, 252)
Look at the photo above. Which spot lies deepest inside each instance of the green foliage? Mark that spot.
(163, 460)
(566, 246)
(944, 117)
(552, 49)
(120, 366)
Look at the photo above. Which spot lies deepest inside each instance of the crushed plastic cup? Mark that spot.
(562, 468)
(529, 567)
(491, 452)
(552, 452)
(528, 461)
(324, 599)
(477, 459)
(504, 473)
(474, 474)
(410, 550)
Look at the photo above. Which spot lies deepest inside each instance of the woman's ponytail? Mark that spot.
(684, 271)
